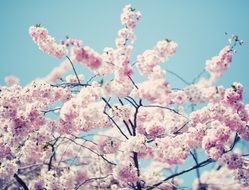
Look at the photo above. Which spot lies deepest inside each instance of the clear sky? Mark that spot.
(197, 26)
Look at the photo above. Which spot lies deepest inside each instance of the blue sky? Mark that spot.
(197, 26)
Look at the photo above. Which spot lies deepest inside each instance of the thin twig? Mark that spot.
(63, 85)
(163, 107)
(179, 77)
(50, 110)
(91, 179)
(133, 63)
(134, 105)
(178, 130)
(201, 164)
(194, 155)
(107, 103)
(126, 124)
(198, 76)
(73, 69)
(101, 155)
(133, 100)
(236, 139)
(113, 121)
(91, 79)
(133, 82)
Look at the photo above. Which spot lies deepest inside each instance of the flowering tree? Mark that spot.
(70, 133)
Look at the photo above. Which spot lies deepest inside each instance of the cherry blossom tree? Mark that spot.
(112, 132)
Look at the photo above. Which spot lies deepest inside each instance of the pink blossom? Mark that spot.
(126, 173)
(114, 130)
(219, 64)
(86, 56)
(232, 160)
(109, 145)
(47, 43)
(129, 16)
(11, 80)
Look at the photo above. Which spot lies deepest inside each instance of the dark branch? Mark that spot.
(133, 82)
(101, 155)
(21, 182)
(126, 124)
(194, 155)
(51, 110)
(201, 164)
(113, 121)
(170, 109)
(73, 69)
(72, 85)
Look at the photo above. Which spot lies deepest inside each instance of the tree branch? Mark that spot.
(201, 164)
(101, 155)
(114, 122)
(194, 155)
(133, 82)
(178, 76)
(91, 179)
(163, 107)
(73, 69)
(21, 182)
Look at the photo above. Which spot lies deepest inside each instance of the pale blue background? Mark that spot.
(197, 26)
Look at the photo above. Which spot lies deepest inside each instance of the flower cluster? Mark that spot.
(171, 150)
(151, 58)
(219, 64)
(86, 56)
(134, 144)
(125, 173)
(47, 43)
(108, 145)
(232, 160)
(112, 132)
(84, 111)
(73, 78)
(129, 17)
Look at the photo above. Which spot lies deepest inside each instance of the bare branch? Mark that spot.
(198, 76)
(113, 121)
(163, 107)
(71, 85)
(73, 69)
(92, 179)
(101, 155)
(133, 82)
(91, 79)
(201, 164)
(21, 182)
(178, 76)
(194, 155)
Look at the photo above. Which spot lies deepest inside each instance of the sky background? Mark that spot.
(197, 26)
